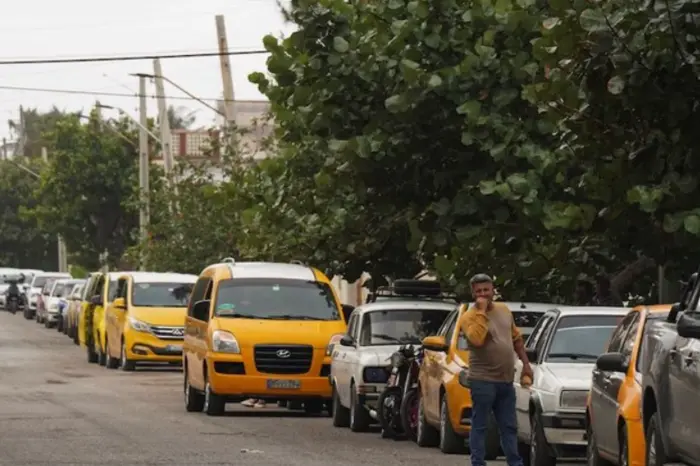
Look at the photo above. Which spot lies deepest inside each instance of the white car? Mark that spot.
(360, 363)
(59, 291)
(562, 348)
(34, 290)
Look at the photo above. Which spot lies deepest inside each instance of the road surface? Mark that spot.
(56, 409)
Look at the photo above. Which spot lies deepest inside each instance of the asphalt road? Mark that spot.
(56, 409)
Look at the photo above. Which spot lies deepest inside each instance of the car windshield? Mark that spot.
(161, 294)
(60, 290)
(581, 338)
(39, 282)
(276, 299)
(400, 326)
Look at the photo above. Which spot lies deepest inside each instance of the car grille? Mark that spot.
(168, 333)
(283, 359)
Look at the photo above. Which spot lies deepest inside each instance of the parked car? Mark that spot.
(614, 427)
(3, 290)
(263, 330)
(145, 321)
(562, 350)
(51, 304)
(102, 291)
(73, 311)
(42, 300)
(404, 313)
(34, 291)
(64, 303)
(671, 384)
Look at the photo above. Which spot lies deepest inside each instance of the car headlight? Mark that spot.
(375, 374)
(335, 339)
(139, 326)
(225, 342)
(573, 399)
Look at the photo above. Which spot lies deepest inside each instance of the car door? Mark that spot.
(684, 379)
(340, 367)
(195, 342)
(116, 318)
(438, 370)
(605, 386)
(535, 342)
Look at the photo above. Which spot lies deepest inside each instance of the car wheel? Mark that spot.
(655, 452)
(112, 363)
(450, 441)
(426, 435)
(623, 458)
(101, 357)
(125, 363)
(214, 405)
(409, 413)
(539, 450)
(194, 399)
(359, 417)
(341, 414)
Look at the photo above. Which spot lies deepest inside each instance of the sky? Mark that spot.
(41, 29)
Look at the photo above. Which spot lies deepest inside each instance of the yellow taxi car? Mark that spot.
(614, 424)
(85, 313)
(444, 406)
(262, 330)
(145, 321)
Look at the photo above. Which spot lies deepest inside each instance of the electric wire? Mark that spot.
(101, 93)
(48, 61)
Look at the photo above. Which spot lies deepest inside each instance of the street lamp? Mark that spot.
(132, 119)
(182, 89)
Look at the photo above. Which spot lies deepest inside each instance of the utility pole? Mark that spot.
(61, 245)
(144, 163)
(20, 137)
(226, 75)
(165, 135)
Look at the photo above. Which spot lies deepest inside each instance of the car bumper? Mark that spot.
(148, 348)
(566, 433)
(228, 377)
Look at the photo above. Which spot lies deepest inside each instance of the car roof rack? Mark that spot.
(411, 289)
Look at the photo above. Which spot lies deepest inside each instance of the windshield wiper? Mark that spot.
(573, 355)
(384, 336)
(294, 317)
(238, 315)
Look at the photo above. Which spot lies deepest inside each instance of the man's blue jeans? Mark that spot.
(499, 398)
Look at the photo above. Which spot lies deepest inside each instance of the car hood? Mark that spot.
(165, 316)
(250, 332)
(569, 375)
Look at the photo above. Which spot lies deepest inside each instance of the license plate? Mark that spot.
(280, 384)
(174, 348)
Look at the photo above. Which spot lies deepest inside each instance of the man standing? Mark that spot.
(493, 339)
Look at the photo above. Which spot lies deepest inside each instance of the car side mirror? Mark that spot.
(612, 362)
(119, 303)
(688, 326)
(96, 300)
(673, 313)
(435, 343)
(531, 354)
(347, 311)
(347, 340)
(200, 311)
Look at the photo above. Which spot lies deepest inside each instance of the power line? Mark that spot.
(129, 58)
(95, 93)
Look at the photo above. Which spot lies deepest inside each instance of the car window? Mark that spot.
(352, 326)
(543, 337)
(631, 335)
(537, 331)
(389, 327)
(276, 299)
(112, 290)
(581, 338)
(442, 331)
(449, 336)
(198, 293)
(160, 294)
(619, 333)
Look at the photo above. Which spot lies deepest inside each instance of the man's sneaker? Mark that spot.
(260, 404)
(249, 403)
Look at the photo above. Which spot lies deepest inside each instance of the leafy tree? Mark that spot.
(181, 117)
(33, 126)
(22, 243)
(86, 189)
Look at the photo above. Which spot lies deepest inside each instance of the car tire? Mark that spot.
(623, 458)
(214, 405)
(126, 364)
(112, 363)
(426, 435)
(450, 442)
(341, 414)
(409, 410)
(194, 399)
(654, 436)
(359, 417)
(539, 449)
(101, 356)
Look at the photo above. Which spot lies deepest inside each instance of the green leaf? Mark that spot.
(395, 103)
(616, 85)
(691, 223)
(672, 223)
(470, 108)
(487, 187)
(550, 23)
(593, 20)
(340, 45)
(434, 81)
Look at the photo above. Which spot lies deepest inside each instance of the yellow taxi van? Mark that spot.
(262, 330)
(145, 322)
